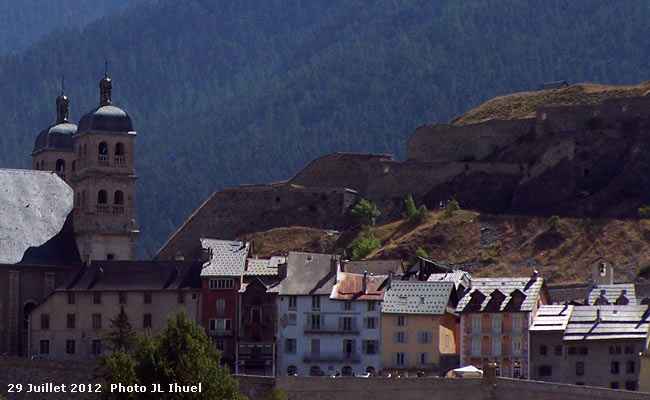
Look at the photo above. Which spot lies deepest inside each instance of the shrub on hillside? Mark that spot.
(366, 212)
(644, 212)
(553, 222)
(414, 214)
(363, 245)
(452, 207)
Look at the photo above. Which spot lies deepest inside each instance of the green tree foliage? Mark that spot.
(452, 207)
(276, 394)
(644, 212)
(248, 91)
(366, 212)
(421, 253)
(181, 354)
(363, 245)
(413, 214)
(121, 336)
(553, 222)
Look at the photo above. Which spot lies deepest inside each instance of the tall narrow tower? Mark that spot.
(104, 181)
(53, 148)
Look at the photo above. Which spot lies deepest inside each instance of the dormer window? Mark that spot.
(603, 270)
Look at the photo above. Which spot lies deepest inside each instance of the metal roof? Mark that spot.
(105, 118)
(608, 322)
(227, 257)
(457, 276)
(263, 266)
(413, 297)
(350, 287)
(612, 292)
(486, 286)
(34, 206)
(551, 318)
(309, 274)
(375, 267)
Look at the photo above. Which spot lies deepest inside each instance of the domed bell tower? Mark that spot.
(104, 182)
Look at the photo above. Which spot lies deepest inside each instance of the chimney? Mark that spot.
(282, 270)
(333, 264)
(365, 281)
(598, 315)
(390, 280)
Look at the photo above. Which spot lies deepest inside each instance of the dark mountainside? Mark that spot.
(24, 22)
(228, 93)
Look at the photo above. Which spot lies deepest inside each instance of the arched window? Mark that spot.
(292, 370)
(42, 164)
(370, 369)
(315, 371)
(119, 149)
(102, 197)
(103, 148)
(118, 202)
(346, 371)
(74, 165)
(60, 165)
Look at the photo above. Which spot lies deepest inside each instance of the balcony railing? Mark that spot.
(329, 356)
(118, 209)
(102, 159)
(119, 160)
(102, 209)
(221, 332)
(331, 328)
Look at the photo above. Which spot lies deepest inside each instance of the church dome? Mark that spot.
(106, 118)
(56, 137)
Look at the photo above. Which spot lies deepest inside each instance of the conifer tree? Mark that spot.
(121, 337)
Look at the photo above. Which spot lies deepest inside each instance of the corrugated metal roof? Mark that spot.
(551, 318)
(612, 292)
(413, 297)
(608, 322)
(485, 286)
(34, 206)
(227, 258)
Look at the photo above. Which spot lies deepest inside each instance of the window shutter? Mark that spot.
(395, 337)
(406, 360)
(395, 320)
(406, 337)
(340, 322)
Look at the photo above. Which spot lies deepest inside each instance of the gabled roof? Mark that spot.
(612, 292)
(34, 206)
(530, 287)
(375, 267)
(136, 275)
(608, 323)
(263, 266)
(309, 274)
(551, 318)
(414, 297)
(227, 257)
(457, 276)
(350, 287)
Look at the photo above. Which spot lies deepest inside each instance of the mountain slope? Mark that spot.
(225, 93)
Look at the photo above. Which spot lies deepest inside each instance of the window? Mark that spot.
(102, 197)
(348, 347)
(110, 256)
(347, 305)
(369, 346)
(122, 297)
(496, 324)
(119, 153)
(542, 350)
(614, 349)
(146, 320)
(580, 368)
(70, 346)
(220, 325)
(70, 321)
(516, 323)
(103, 148)
(631, 385)
(496, 346)
(401, 337)
(347, 323)
(292, 319)
(44, 346)
(583, 351)
(96, 347)
(370, 323)
(422, 300)
(629, 349)
(372, 306)
(476, 346)
(424, 337)
(497, 369)
(147, 297)
(293, 303)
(400, 359)
(400, 320)
(221, 307)
(316, 321)
(315, 302)
(118, 202)
(476, 324)
(292, 370)
(45, 321)
(315, 347)
(222, 284)
(516, 370)
(97, 297)
(181, 298)
(602, 270)
(220, 345)
(558, 350)
(401, 300)
(195, 296)
(629, 367)
(290, 346)
(97, 321)
(423, 358)
(614, 385)
(71, 297)
(614, 367)
(59, 165)
(573, 351)
(315, 369)
(516, 346)
(447, 340)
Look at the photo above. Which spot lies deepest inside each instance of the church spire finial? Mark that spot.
(62, 105)
(105, 88)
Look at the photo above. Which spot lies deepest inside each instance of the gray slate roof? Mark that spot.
(615, 323)
(375, 267)
(551, 318)
(56, 137)
(263, 266)
(308, 274)
(105, 118)
(506, 286)
(227, 257)
(612, 292)
(413, 297)
(457, 276)
(34, 206)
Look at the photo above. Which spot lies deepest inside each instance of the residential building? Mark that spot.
(221, 279)
(258, 316)
(601, 345)
(495, 316)
(644, 371)
(418, 327)
(72, 323)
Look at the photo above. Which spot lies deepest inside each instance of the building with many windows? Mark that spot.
(72, 323)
